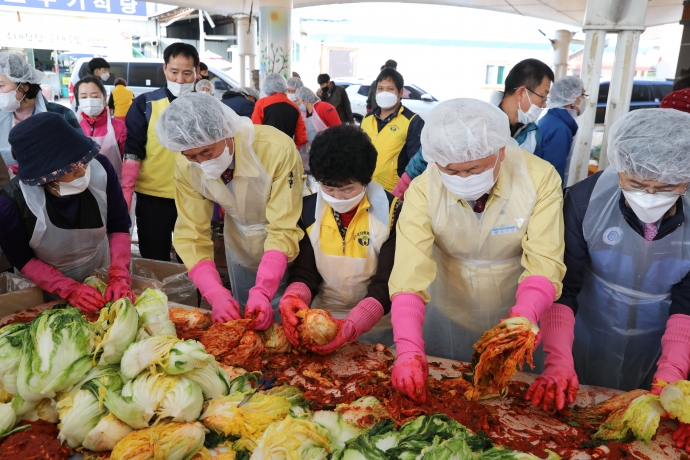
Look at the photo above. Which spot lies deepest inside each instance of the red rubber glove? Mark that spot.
(50, 279)
(359, 321)
(119, 279)
(558, 383)
(297, 297)
(224, 307)
(402, 186)
(271, 270)
(410, 369)
(674, 363)
(682, 436)
(534, 296)
(130, 173)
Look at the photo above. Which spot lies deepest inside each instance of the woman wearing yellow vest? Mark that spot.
(394, 129)
(346, 258)
(120, 99)
(480, 239)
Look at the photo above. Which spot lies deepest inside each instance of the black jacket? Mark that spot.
(240, 104)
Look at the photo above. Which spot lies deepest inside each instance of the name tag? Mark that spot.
(504, 230)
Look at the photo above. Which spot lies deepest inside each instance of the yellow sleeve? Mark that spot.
(284, 206)
(192, 236)
(543, 244)
(414, 269)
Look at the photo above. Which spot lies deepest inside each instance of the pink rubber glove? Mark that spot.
(682, 436)
(224, 307)
(297, 297)
(119, 279)
(130, 173)
(402, 186)
(674, 363)
(359, 321)
(271, 270)
(50, 279)
(534, 296)
(410, 370)
(558, 383)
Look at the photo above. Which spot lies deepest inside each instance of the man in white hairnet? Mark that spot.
(278, 111)
(627, 253)
(480, 238)
(204, 86)
(255, 174)
(567, 101)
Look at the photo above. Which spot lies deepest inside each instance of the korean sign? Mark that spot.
(114, 7)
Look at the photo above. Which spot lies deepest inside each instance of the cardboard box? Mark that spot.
(17, 294)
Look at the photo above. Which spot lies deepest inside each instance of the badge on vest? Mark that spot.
(613, 235)
(504, 230)
(362, 238)
(394, 128)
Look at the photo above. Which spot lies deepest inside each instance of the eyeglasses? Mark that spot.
(643, 191)
(585, 95)
(543, 98)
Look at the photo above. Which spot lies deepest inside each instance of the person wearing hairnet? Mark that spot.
(204, 86)
(627, 252)
(278, 111)
(345, 260)
(20, 97)
(318, 116)
(65, 214)
(241, 100)
(479, 239)
(567, 101)
(293, 84)
(255, 174)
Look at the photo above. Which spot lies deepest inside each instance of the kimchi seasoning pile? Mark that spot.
(39, 442)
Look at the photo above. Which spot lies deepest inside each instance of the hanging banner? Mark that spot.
(128, 8)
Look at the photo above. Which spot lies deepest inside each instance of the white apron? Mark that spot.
(7, 123)
(478, 259)
(109, 147)
(346, 279)
(244, 200)
(625, 298)
(75, 253)
(314, 125)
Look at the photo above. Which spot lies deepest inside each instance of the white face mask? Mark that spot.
(91, 106)
(532, 113)
(649, 208)
(105, 76)
(386, 100)
(472, 187)
(77, 186)
(217, 166)
(9, 102)
(292, 96)
(178, 89)
(582, 106)
(341, 206)
(303, 107)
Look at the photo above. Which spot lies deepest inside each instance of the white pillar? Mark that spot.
(621, 86)
(246, 44)
(275, 41)
(561, 48)
(201, 32)
(592, 56)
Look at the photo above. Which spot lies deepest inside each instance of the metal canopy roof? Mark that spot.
(570, 12)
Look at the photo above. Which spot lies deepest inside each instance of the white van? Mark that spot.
(143, 75)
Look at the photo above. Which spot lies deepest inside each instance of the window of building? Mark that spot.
(495, 74)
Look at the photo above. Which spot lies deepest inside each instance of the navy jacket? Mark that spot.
(240, 104)
(576, 257)
(557, 129)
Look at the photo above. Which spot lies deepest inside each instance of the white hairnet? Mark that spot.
(295, 83)
(461, 130)
(249, 91)
(274, 83)
(307, 95)
(14, 67)
(652, 144)
(204, 84)
(195, 120)
(565, 91)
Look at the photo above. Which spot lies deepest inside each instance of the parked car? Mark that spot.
(414, 97)
(647, 93)
(144, 75)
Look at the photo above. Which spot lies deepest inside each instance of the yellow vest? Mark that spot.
(157, 169)
(389, 142)
(357, 235)
(122, 99)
